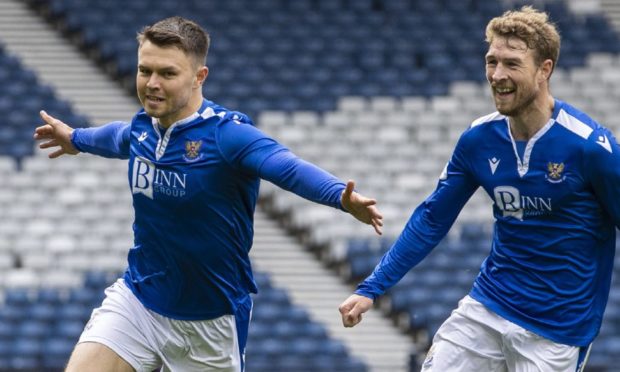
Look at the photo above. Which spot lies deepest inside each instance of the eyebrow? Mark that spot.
(506, 59)
(163, 69)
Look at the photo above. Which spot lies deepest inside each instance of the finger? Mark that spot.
(49, 119)
(45, 116)
(56, 154)
(347, 320)
(43, 129)
(377, 228)
(348, 190)
(353, 319)
(42, 136)
(366, 202)
(375, 213)
(48, 144)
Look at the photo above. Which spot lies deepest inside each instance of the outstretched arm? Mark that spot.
(56, 134)
(110, 140)
(286, 170)
(428, 224)
(250, 150)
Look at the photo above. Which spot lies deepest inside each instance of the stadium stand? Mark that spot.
(20, 103)
(284, 338)
(328, 78)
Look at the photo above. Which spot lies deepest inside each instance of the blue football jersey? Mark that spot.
(556, 207)
(195, 187)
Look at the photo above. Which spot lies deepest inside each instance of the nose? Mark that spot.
(152, 82)
(498, 73)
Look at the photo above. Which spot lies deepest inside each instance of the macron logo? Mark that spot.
(493, 163)
(604, 142)
(143, 136)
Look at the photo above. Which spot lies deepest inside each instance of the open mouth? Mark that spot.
(504, 92)
(154, 98)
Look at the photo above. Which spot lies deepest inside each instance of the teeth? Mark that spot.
(504, 90)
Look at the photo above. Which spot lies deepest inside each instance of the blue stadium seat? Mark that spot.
(69, 329)
(7, 331)
(43, 312)
(11, 313)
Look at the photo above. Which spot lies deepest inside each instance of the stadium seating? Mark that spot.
(22, 98)
(399, 79)
(316, 51)
(38, 329)
(283, 337)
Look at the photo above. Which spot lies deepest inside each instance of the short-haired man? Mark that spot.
(194, 169)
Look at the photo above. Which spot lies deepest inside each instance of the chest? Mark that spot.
(175, 165)
(540, 178)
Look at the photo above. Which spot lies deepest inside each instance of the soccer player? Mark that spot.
(194, 168)
(554, 176)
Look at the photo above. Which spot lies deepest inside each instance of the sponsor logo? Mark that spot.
(554, 174)
(147, 179)
(493, 163)
(192, 151)
(512, 204)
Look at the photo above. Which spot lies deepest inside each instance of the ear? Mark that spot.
(546, 69)
(201, 76)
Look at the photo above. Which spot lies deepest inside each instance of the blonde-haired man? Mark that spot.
(553, 174)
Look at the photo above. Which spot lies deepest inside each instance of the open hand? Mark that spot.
(361, 207)
(57, 134)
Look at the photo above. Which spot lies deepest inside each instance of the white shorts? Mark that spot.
(476, 339)
(148, 341)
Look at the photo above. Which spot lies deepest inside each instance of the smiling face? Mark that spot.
(515, 78)
(169, 82)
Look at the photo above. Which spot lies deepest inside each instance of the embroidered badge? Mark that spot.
(554, 174)
(192, 150)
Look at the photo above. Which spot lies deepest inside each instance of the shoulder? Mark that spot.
(229, 124)
(487, 120)
(224, 113)
(597, 142)
(142, 122)
(587, 130)
(482, 127)
(576, 122)
(236, 130)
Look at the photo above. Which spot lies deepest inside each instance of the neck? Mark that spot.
(527, 123)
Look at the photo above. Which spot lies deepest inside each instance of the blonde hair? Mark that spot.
(533, 27)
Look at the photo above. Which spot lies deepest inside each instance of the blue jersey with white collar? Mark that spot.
(195, 187)
(556, 207)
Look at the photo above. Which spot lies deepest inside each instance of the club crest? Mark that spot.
(192, 150)
(555, 172)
